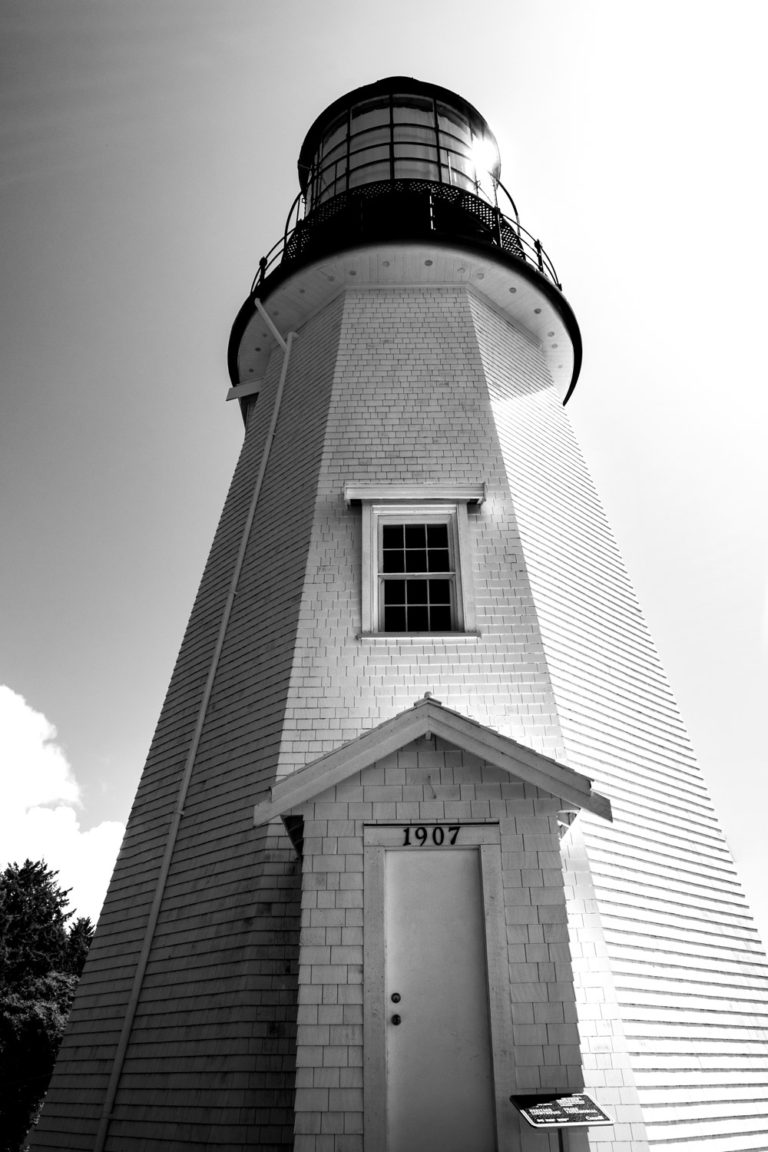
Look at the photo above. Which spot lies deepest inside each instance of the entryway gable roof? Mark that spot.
(429, 716)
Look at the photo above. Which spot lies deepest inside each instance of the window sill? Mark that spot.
(419, 637)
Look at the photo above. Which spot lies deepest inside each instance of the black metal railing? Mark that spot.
(400, 210)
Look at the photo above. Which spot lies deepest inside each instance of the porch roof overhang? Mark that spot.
(429, 717)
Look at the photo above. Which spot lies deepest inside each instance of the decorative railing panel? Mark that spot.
(401, 210)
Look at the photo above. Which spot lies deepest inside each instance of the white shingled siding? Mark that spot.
(410, 405)
(689, 972)
(428, 780)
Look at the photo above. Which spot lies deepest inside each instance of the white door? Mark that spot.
(440, 1095)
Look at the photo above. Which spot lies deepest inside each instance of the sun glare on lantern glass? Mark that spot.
(484, 157)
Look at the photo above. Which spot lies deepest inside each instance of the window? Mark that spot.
(412, 574)
(417, 576)
(416, 563)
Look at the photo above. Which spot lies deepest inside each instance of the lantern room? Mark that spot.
(398, 129)
(399, 181)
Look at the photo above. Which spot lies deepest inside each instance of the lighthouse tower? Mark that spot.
(420, 834)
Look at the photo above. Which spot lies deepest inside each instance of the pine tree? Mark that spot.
(40, 962)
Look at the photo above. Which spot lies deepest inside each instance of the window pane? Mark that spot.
(394, 620)
(336, 132)
(458, 180)
(415, 153)
(338, 152)
(416, 170)
(411, 109)
(415, 535)
(453, 122)
(416, 560)
(368, 156)
(418, 619)
(411, 135)
(457, 164)
(372, 114)
(372, 136)
(416, 591)
(393, 560)
(330, 188)
(392, 535)
(329, 173)
(440, 618)
(369, 174)
(394, 592)
(437, 535)
(440, 591)
(439, 560)
(336, 187)
(393, 556)
(457, 170)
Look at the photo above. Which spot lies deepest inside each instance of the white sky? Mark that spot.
(149, 156)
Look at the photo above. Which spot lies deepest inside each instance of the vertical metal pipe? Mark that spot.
(165, 865)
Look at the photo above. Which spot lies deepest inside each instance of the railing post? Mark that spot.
(539, 257)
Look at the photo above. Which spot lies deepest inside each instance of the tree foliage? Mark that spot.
(41, 958)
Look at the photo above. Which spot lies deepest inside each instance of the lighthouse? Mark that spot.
(420, 858)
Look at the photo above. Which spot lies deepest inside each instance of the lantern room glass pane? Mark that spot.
(330, 171)
(415, 170)
(369, 155)
(454, 124)
(416, 134)
(457, 170)
(370, 137)
(333, 155)
(371, 114)
(336, 135)
(415, 162)
(413, 110)
(411, 151)
(369, 174)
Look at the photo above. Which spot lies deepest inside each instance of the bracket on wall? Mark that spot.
(565, 818)
(294, 826)
(240, 391)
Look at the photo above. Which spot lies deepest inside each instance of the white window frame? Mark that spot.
(417, 506)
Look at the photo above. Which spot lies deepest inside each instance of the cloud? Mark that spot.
(40, 798)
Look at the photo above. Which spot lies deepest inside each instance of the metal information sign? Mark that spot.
(575, 1110)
